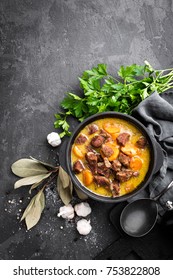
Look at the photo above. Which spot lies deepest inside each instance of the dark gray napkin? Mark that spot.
(156, 113)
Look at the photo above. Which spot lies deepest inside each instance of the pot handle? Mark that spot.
(159, 156)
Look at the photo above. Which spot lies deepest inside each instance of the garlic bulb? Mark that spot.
(54, 139)
(82, 209)
(84, 227)
(66, 212)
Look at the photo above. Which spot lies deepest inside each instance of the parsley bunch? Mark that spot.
(103, 92)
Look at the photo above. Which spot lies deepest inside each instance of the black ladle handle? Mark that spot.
(163, 191)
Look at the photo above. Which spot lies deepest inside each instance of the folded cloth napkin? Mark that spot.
(156, 113)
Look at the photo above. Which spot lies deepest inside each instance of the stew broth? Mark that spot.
(110, 157)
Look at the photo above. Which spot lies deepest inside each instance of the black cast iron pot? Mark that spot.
(156, 156)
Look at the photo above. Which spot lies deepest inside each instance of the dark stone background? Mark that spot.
(44, 47)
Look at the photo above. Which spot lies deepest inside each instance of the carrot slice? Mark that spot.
(116, 150)
(129, 149)
(78, 152)
(114, 136)
(87, 177)
(115, 154)
(136, 163)
(111, 127)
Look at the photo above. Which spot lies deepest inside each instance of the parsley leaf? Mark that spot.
(103, 92)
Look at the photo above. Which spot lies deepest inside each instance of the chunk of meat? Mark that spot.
(115, 188)
(123, 138)
(99, 157)
(97, 141)
(124, 175)
(136, 173)
(92, 128)
(101, 181)
(78, 166)
(91, 158)
(107, 151)
(116, 165)
(102, 169)
(141, 142)
(105, 134)
(124, 159)
(81, 139)
(107, 162)
(90, 149)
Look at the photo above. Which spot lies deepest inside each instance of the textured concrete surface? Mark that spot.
(44, 47)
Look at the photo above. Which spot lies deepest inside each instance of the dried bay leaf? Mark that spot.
(34, 215)
(64, 193)
(27, 167)
(28, 208)
(81, 194)
(42, 200)
(35, 185)
(31, 180)
(33, 211)
(64, 177)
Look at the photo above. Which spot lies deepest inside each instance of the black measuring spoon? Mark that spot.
(140, 216)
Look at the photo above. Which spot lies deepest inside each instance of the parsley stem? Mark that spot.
(164, 70)
(111, 77)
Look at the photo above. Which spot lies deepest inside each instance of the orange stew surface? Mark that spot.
(110, 157)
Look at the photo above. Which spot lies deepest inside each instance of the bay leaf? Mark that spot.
(40, 198)
(81, 194)
(38, 195)
(42, 162)
(27, 167)
(64, 177)
(34, 215)
(31, 180)
(35, 185)
(64, 193)
(33, 211)
(42, 201)
(28, 208)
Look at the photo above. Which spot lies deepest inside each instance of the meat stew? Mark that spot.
(110, 157)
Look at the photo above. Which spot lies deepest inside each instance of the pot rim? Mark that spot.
(153, 155)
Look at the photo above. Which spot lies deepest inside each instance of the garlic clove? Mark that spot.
(82, 209)
(66, 212)
(84, 227)
(54, 139)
